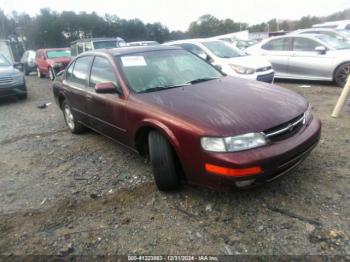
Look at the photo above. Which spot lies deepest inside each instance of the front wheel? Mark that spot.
(40, 75)
(74, 126)
(341, 74)
(51, 74)
(163, 162)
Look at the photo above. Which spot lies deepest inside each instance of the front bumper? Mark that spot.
(267, 78)
(13, 90)
(276, 159)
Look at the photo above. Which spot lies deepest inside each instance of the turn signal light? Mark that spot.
(224, 171)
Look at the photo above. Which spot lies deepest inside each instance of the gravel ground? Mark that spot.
(81, 194)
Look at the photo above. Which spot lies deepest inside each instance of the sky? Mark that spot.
(178, 14)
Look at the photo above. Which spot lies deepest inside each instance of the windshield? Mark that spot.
(345, 32)
(58, 53)
(152, 71)
(333, 42)
(4, 61)
(106, 44)
(222, 50)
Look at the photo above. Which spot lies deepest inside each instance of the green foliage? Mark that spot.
(52, 29)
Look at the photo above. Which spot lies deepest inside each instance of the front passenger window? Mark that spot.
(102, 72)
(81, 70)
(303, 44)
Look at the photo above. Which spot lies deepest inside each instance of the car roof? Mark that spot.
(132, 50)
(51, 49)
(194, 40)
(96, 39)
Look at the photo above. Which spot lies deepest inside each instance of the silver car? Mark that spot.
(310, 57)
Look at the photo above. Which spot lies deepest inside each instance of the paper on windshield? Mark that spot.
(134, 61)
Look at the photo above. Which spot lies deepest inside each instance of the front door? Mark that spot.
(306, 63)
(106, 111)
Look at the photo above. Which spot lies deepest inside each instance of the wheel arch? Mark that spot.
(142, 131)
(337, 67)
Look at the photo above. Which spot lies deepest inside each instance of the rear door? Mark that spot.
(278, 52)
(76, 81)
(106, 111)
(306, 63)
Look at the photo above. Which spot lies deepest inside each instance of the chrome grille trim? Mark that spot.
(6, 80)
(289, 127)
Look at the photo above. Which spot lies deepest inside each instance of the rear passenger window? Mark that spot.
(69, 72)
(81, 70)
(102, 72)
(277, 45)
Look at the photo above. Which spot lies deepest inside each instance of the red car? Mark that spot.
(196, 124)
(51, 61)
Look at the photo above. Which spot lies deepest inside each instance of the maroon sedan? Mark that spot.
(196, 124)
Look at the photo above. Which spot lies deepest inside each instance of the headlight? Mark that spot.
(233, 144)
(307, 115)
(58, 65)
(243, 70)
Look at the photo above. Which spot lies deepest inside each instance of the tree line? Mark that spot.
(53, 29)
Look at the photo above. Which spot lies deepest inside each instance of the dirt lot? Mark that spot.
(82, 194)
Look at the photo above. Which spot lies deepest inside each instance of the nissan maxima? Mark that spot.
(195, 124)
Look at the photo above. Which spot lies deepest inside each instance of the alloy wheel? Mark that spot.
(343, 74)
(69, 117)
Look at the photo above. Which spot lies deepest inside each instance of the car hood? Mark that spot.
(8, 71)
(228, 106)
(250, 61)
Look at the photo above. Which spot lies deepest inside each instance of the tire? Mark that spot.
(163, 162)
(40, 75)
(341, 74)
(74, 126)
(51, 74)
(22, 96)
(25, 70)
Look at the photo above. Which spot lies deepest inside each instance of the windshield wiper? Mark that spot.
(158, 88)
(204, 79)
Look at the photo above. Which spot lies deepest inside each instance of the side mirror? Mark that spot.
(321, 50)
(18, 66)
(105, 88)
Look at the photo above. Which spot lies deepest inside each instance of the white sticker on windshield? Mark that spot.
(133, 61)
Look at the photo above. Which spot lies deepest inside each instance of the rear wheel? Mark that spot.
(341, 74)
(74, 126)
(163, 161)
(51, 74)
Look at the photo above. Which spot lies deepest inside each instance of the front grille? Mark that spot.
(285, 130)
(268, 78)
(5, 80)
(263, 69)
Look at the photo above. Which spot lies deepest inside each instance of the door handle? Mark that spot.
(89, 97)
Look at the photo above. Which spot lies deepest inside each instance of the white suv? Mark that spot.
(229, 59)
